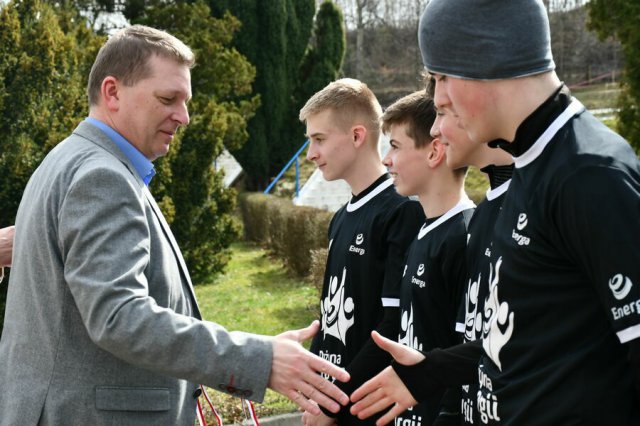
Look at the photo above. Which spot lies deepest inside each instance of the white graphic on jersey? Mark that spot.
(522, 221)
(487, 407)
(620, 286)
(359, 239)
(472, 318)
(413, 421)
(420, 269)
(497, 319)
(330, 242)
(406, 336)
(486, 402)
(405, 270)
(466, 409)
(337, 312)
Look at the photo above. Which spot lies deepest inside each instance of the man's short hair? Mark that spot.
(125, 56)
(417, 112)
(351, 102)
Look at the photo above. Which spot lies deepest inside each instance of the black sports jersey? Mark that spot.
(431, 289)
(477, 284)
(368, 238)
(565, 277)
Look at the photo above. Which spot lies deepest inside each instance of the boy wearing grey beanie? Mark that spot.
(561, 325)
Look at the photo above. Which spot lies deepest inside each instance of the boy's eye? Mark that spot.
(165, 100)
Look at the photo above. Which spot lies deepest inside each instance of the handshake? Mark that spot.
(294, 373)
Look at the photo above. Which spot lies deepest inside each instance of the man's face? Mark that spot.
(330, 147)
(471, 104)
(461, 151)
(407, 164)
(151, 110)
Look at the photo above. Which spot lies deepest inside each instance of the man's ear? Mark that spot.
(437, 153)
(359, 134)
(109, 93)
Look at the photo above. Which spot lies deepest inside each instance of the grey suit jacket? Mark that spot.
(101, 324)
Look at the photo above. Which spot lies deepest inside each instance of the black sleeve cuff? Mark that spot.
(416, 379)
(455, 366)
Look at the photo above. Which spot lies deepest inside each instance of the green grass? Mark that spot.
(257, 295)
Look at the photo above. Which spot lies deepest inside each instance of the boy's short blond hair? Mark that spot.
(351, 102)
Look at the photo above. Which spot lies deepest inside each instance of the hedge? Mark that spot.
(296, 234)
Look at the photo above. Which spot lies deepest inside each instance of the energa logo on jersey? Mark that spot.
(407, 336)
(419, 272)
(355, 248)
(620, 286)
(337, 310)
(521, 223)
(499, 321)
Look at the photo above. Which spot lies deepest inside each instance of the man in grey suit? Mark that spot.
(102, 326)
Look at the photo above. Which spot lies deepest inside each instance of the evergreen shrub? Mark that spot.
(291, 232)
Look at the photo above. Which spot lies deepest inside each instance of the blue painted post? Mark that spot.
(284, 169)
(297, 177)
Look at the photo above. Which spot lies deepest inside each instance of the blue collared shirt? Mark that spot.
(143, 166)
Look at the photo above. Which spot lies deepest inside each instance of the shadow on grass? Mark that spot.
(295, 316)
(274, 280)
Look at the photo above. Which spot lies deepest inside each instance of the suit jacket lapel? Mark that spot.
(174, 246)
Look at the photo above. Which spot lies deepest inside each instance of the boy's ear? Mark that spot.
(359, 134)
(437, 153)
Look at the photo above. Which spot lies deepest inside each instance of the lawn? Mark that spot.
(258, 295)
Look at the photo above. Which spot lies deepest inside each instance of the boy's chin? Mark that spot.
(402, 191)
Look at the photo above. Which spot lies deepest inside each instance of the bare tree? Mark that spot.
(382, 44)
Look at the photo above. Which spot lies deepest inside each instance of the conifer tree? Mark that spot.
(274, 37)
(323, 60)
(190, 192)
(619, 18)
(45, 56)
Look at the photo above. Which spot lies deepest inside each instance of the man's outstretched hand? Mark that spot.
(295, 373)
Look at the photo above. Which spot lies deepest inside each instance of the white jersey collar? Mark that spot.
(536, 149)
(351, 207)
(494, 193)
(464, 204)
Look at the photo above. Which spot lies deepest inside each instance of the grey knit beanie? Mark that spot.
(485, 39)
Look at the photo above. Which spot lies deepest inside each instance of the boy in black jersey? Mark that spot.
(498, 166)
(368, 237)
(562, 343)
(434, 272)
